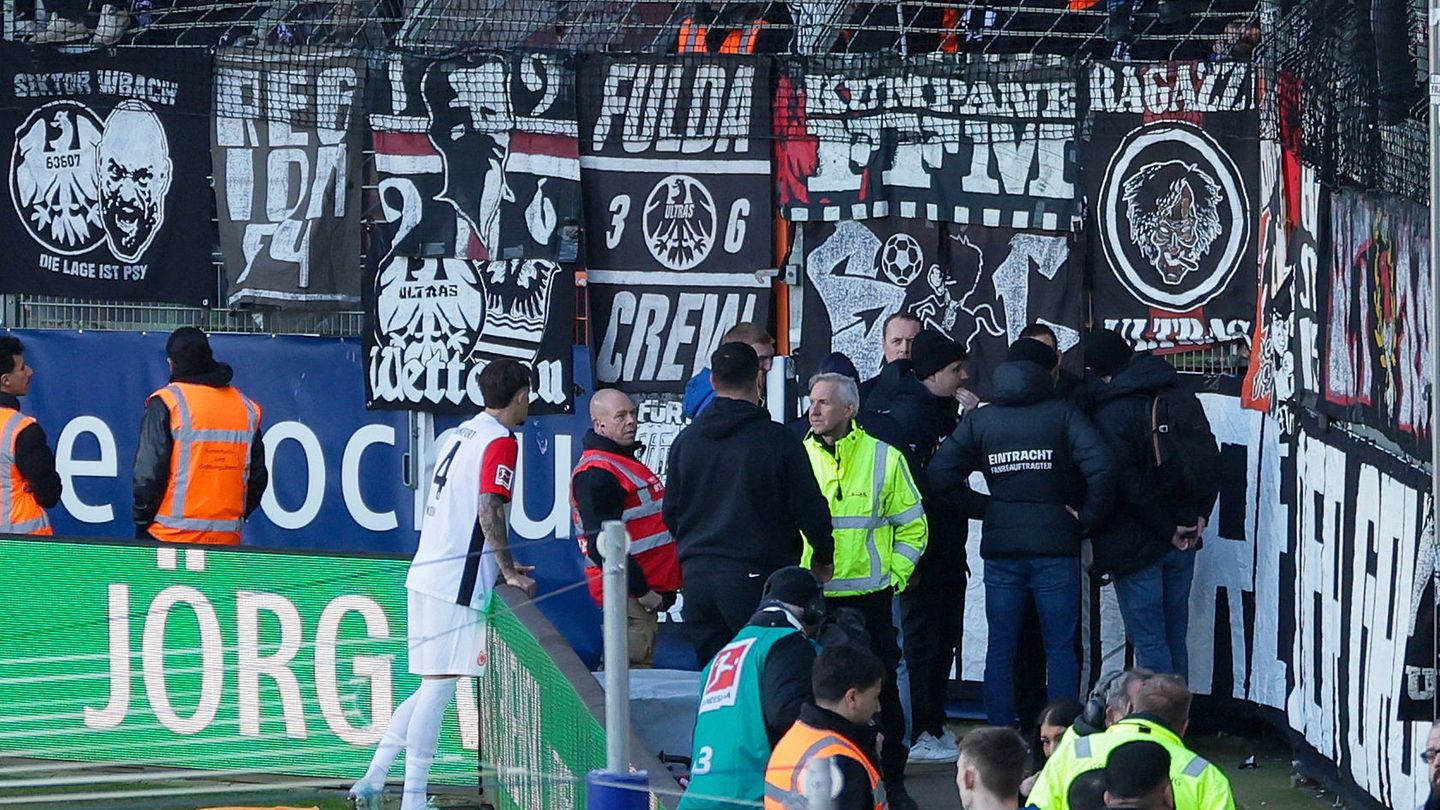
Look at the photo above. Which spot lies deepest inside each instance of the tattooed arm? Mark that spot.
(497, 539)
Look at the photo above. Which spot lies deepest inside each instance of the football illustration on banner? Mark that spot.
(1172, 218)
(680, 222)
(77, 182)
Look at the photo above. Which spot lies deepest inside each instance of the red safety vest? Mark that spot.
(650, 542)
(693, 38)
(20, 513)
(213, 429)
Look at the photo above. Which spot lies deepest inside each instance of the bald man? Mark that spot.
(611, 483)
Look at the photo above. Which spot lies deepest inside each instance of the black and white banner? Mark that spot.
(432, 325)
(661, 417)
(654, 332)
(980, 286)
(287, 143)
(109, 179)
(478, 156)
(987, 142)
(1172, 170)
(676, 160)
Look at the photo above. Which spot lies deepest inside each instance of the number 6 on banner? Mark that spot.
(551, 386)
(735, 232)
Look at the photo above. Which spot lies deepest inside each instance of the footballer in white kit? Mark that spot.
(464, 548)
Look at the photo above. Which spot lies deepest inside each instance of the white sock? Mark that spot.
(423, 736)
(390, 744)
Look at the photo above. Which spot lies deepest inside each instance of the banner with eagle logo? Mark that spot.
(1172, 175)
(109, 174)
(980, 286)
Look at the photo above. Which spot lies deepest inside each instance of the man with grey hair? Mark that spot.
(880, 531)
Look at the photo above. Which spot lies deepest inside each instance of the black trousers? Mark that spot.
(880, 624)
(718, 602)
(932, 612)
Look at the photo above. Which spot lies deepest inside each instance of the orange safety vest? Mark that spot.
(801, 745)
(213, 429)
(20, 513)
(650, 542)
(693, 38)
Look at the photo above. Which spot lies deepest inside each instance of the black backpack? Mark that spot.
(1183, 449)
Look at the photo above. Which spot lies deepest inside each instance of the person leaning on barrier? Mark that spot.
(880, 532)
(200, 466)
(1162, 714)
(29, 483)
(833, 733)
(612, 483)
(751, 693)
(464, 548)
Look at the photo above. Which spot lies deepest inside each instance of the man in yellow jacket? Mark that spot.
(880, 531)
(1162, 713)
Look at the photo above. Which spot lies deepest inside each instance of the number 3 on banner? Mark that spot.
(735, 231)
(619, 209)
(551, 387)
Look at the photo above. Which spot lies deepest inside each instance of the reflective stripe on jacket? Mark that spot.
(802, 745)
(693, 38)
(213, 430)
(1198, 784)
(20, 513)
(879, 525)
(650, 542)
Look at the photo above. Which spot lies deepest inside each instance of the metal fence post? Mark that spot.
(616, 788)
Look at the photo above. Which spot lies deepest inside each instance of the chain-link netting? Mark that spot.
(1350, 80)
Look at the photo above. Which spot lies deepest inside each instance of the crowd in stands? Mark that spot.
(814, 558)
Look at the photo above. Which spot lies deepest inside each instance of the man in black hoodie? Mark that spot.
(1148, 543)
(739, 493)
(1051, 478)
(218, 482)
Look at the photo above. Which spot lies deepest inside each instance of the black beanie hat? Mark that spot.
(1106, 352)
(838, 363)
(1030, 350)
(932, 352)
(189, 349)
(796, 586)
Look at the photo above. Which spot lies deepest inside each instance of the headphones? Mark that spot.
(1096, 704)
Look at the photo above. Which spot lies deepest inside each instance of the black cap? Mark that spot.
(189, 349)
(838, 363)
(796, 586)
(1030, 350)
(932, 352)
(1106, 352)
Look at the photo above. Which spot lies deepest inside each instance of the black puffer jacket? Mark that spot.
(1039, 455)
(925, 421)
(1138, 532)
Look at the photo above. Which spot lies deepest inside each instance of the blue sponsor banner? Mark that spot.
(337, 470)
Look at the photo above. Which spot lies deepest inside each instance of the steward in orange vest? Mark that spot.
(28, 482)
(610, 483)
(735, 28)
(833, 733)
(200, 468)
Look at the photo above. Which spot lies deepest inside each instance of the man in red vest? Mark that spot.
(611, 483)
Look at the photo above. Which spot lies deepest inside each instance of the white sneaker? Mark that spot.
(948, 740)
(60, 31)
(113, 22)
(928, 749)
(364, 797)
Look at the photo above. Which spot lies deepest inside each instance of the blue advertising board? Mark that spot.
(337, 471)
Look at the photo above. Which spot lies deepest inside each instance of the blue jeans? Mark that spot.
(1155, 604)
(1055, 582)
